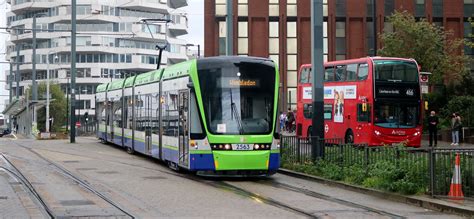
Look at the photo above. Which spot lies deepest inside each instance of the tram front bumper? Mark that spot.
(241, 160)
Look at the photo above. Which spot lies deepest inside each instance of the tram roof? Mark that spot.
(129, 81)
(178, 70)
(115, 85)
(101, 88)
(144, 78)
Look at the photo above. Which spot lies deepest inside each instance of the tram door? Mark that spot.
(183, 127)
(148, 123)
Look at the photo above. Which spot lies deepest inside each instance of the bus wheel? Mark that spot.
(130, 150)
(349, 139)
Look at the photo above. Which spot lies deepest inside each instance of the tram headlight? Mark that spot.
(256, 146)
(227, 146)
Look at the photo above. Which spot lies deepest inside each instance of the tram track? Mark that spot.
(77, 180)
(222, 185)
(318, 195)
(15, 173)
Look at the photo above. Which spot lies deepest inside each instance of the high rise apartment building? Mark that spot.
(112, 41)
(280, 29)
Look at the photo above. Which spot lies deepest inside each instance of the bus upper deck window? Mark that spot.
(351, 72)
(329, 73)
(363, 72)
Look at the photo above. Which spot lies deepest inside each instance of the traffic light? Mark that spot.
(86, 116)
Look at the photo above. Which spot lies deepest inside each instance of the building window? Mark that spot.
(274, 8)
(419, 8)
(292, 62)
(325, 41)
(243, 44)
(274, 41)
(222, 37)
(468, 8)
(340, 8)
(370, 8)
(370, 38)
(243, 8)
(468, 31)
(291, 8)
(389, 7)
(340, 40)
(325, 8)
(221, 9)
(437, 8)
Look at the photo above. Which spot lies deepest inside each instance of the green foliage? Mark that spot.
(57, 107)
(432, 47)
(463, 105)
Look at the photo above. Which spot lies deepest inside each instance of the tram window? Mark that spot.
(351, 72)
(363, 116)
(340, 73)
(195, 123)
(363, 72)
(117, 115)
(125, 112)
(170, 114)
(328, 111)
(155, 104)
(329, 73)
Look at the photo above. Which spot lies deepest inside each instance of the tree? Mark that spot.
(435, 50)
(57, 107)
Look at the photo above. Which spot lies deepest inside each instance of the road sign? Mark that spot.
(78, 124)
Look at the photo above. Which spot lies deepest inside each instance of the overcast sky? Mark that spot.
(195, 10)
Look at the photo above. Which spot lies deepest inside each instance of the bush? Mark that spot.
(464, 105)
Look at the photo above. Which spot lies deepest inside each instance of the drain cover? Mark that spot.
(71, 161)
(154, 177)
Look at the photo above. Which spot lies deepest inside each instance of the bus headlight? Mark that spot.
(377, 133)
(417, 133)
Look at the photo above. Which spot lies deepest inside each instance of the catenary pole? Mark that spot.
(317, 69)
(230, 29)
(72, 124)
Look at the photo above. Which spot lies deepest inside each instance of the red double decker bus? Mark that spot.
(373, 100)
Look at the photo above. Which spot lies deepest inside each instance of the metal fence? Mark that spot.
(430, 167)
(86, 129)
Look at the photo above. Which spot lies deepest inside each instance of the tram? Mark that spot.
(212, 116)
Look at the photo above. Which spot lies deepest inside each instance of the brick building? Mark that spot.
(280, 29)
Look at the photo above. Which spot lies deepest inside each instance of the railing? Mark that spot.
(86, 129)
(432, 168)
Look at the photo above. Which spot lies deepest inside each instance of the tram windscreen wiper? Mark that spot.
(235, 114)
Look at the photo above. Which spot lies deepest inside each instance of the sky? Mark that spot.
(195, 11)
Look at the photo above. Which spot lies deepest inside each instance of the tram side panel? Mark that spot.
(101, 114)
(145, 114)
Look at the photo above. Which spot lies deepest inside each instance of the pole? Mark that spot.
(47, 93)
(199, 51)
(317, 69)
(17, 73)
(73, 72)
(67, 104)
(230, 29)
(33, 62)
(10, 100)
(374, 11)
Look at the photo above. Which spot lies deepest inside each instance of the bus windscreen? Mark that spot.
(396, 71)
(396, 115)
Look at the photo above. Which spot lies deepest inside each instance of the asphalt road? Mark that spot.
(90, 179)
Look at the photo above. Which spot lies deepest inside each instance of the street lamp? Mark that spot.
(33, 58)
(198, 46)
(47, 90)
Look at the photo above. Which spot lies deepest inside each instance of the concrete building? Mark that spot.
(112, 41)
(280, 29)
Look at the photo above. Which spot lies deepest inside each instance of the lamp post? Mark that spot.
(82, 104)
(47, 91)
(198, 46)
(33, 59)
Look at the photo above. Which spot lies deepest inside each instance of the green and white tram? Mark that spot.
(215, 116)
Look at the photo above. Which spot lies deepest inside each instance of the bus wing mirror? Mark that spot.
(190, 85)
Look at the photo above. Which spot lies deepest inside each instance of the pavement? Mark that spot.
(148, 189)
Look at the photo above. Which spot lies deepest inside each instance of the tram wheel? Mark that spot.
(130, 150)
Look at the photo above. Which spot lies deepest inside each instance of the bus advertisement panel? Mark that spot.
(373, 100)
